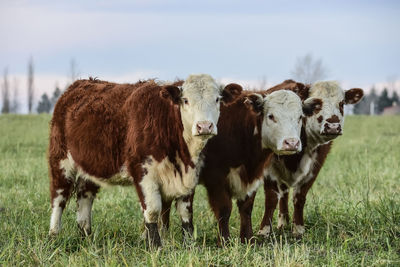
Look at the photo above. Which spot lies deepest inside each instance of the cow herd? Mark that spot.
(166, 138)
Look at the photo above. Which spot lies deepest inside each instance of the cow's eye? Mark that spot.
(217, 100)
(271, 117)
(185, 100)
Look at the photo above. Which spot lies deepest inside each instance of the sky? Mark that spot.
(241, 41)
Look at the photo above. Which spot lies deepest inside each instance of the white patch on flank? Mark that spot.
(281, 221)
(183, 209)
(298, 229)
(171, 184)
(286, 108)
(56, 213)
(239, 189)
(72, 171)
(84, 211)
(152, 198)
(163, 180)
(265, 231)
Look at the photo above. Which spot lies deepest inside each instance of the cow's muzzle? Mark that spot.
(205, 128)
(332, 129)
(291, 144)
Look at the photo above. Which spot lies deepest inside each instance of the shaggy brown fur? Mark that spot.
(104, 125)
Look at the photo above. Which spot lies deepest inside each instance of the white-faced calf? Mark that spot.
(299, 171)
(143, 134)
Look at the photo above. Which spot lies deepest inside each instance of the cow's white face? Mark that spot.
(327, 124)
(282, 113)
(201, 97)
(199, 100)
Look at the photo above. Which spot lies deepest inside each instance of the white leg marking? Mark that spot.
(265, 231)
(183, 209)
(84, 211)
(152, 199)
(281, 221)
(298, 229)
(56, 213)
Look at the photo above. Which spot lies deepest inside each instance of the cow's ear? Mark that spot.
(312, 106)
(353, 96)
(255, 102)
(231, 92)
(172, 93)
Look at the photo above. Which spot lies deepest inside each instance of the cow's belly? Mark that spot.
(73, 171)
(239, 189)
(172, 183)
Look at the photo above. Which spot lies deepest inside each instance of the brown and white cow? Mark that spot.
(300, 170)
(250, 130)
(143, 134)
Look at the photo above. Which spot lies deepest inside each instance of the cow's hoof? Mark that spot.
(187, 233)
(187, 229)
(298, 231)
(85, 231)
(53, 233)
(265, 232)
(153, 237)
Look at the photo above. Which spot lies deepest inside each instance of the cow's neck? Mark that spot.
(314, 140)
(195, 144)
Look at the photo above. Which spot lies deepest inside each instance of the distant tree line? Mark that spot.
(373, 103)
(46, 104)
(9, 96)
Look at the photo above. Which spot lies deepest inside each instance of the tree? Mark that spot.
(369, 101)
(30, 85)
(309, 70)
(73, 71)
(44, 104)
(56, 95)
(395, 98)
(5, 92)
(384, 100)
(14, 103)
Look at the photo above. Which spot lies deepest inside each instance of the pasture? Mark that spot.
(352, 215)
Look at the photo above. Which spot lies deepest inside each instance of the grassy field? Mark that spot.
(352, 214)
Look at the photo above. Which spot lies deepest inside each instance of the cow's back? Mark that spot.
(88, 123)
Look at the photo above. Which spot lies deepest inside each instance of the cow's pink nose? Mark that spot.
(204, 127)
(291, 144)
(332, 128)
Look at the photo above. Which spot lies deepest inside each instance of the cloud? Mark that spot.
(227, 39)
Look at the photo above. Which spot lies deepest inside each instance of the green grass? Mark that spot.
(352, 214)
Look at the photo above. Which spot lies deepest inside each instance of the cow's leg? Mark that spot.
(151, 201)
(185, 211)
(271, 192)
(85, 193)
(61, 188)
(165, 212)
(299, 200)
(245, 209)
(283, 218)
(221, 204)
